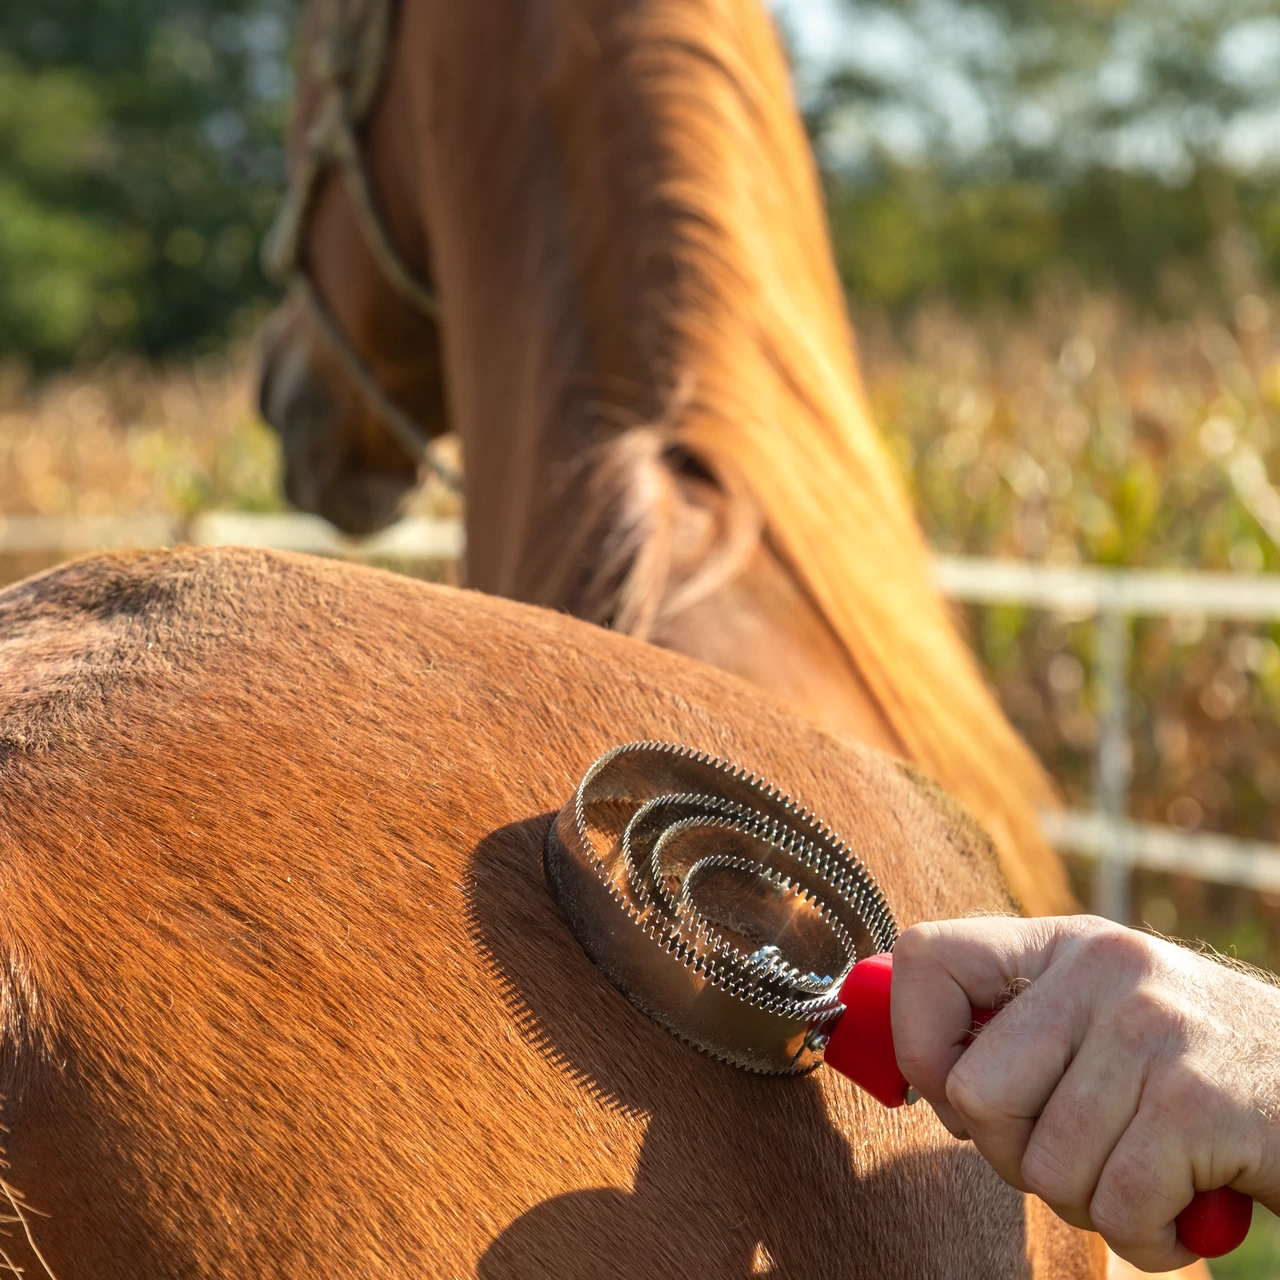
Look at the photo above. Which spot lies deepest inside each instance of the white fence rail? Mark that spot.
(417, 538)
(1113, 596)
(1129, 592)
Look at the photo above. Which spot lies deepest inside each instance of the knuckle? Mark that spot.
(1143, 1017)
(1122, 1198)
(967, 1096)
(1049, 1176)
(1112, 1214)
(1183, 1099)
(1114, 949)
(1152, 1016)
(1091, 925)
(915, 1061)
(914, 945)
(1082, 931)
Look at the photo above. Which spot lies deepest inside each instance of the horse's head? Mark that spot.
(350, 368)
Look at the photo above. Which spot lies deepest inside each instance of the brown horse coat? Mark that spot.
(283, 992)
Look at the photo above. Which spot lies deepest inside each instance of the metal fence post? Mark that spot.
(1113, 761)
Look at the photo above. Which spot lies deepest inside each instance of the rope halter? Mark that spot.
(348, 62)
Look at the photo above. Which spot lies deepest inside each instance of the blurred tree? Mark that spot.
(1029, 88)
(974, 147)
(139, 162)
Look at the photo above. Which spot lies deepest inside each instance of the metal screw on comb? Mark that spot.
(714, 902)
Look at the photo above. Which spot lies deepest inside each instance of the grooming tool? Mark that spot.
(745, 926)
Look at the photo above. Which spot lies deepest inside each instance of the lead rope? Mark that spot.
(348, 62)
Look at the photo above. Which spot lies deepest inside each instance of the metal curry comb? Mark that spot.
(723, 910)
(745, 926)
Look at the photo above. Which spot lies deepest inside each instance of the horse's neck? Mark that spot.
(762, 627)
(630, 543)
(592, 318)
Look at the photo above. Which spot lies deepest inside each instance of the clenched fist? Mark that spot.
(1124, 1074)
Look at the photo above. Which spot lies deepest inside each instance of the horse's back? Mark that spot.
(283, 992)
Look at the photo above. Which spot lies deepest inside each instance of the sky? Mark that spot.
(934, 64)
(820, 31)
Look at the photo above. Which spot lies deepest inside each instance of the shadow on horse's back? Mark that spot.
(284, 993)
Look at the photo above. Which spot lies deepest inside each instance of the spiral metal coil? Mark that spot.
(717, 905)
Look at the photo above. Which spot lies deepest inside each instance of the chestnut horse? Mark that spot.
(283, 992)
(587, 236)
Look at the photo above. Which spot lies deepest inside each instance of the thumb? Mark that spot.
(943, 971)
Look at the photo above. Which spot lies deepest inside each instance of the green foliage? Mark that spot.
(915, 232)
(983, 150)
(1047, 89)
(140, 159)
(1075, 430)
(140, 148)
(1259, 1257)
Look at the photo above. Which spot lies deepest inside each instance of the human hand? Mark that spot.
(1127, 1073)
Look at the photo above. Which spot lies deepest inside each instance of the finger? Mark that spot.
(941, 971)
(1000, 1085)
(1148, 1176)
(931, 1016)
(1082, 1122)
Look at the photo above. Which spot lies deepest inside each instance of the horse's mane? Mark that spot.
(769, 393)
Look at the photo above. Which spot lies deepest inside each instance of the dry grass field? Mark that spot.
(124, 439)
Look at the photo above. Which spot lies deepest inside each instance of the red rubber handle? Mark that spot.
(861, 1047)
(1215, 1222)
